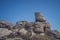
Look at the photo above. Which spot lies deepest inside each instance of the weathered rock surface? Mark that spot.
(54, 34)
(4, 33)
(20, 24)
(39, 17)
(24, 30)
(5, 24)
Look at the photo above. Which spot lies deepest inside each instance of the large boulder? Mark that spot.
(39, 27)
(4, 33)
(46, 26)
(23, 31)
(29, 26)
(20, 24)
(54, 34)
(39, 17)
(5, 24)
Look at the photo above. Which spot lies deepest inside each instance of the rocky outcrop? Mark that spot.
(4, 33)
(41, 25)
(20, 24)
(5, 24)
(54, 34)
(5, 29)
(24, 30)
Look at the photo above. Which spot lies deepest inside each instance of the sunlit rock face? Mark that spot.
(4, 32)
(21, 24)
(41, 25)
(24, 30)
(5, 24)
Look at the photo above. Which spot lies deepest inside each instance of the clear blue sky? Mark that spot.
(15, 10)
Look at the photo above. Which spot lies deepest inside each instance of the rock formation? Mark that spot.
(41, 25)
(24, 30)
(39, 17)
(5, 24)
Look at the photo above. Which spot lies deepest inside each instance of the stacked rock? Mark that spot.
(41, 25)
(39, 17)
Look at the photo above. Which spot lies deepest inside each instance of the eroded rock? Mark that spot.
(5, 24)
(24, 30)
(39, 17)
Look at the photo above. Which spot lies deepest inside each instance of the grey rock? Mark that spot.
(29, 26)
(5, 24)
(41, 27)
(54, 34)
(24, 30)
(4, 33)
(39, 17)
(20, 24)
